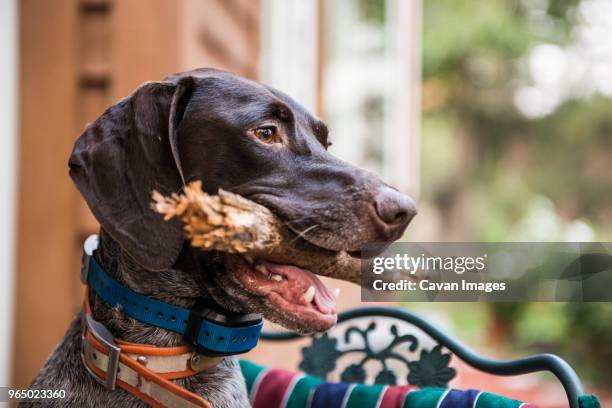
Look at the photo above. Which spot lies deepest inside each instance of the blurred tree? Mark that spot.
(494, 174)
(503, 160)
(589, 338)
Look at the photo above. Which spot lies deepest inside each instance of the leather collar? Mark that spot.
(142, 370)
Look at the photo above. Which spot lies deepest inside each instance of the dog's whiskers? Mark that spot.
(304, 232)
(295, 221)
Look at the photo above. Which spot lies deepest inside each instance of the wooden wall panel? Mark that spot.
(220, 33)
(144, 43)
(94, 79)
(46, 277)
(94, 41)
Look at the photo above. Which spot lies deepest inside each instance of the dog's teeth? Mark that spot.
(336, 292)
(261, 269)
(309, 294)
(276, 277)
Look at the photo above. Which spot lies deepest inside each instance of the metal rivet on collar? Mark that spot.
(199, 362)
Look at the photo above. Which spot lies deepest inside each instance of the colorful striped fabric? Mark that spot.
(276, 388)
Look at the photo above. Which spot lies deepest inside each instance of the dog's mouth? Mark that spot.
(297, 296)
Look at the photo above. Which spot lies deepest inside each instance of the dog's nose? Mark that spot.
(394, 209)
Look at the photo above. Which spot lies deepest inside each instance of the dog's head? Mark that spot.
(239, 135)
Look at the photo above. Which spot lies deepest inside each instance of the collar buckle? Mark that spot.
(102, 334)
(216, 333)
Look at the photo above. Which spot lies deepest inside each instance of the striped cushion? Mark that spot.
(275, 388)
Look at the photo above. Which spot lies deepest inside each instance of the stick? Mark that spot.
(230, 223)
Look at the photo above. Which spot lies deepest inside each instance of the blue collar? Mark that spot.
(211, 331)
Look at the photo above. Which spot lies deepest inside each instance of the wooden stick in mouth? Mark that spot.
(231, 223)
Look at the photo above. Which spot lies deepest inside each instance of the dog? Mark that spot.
(234, 134)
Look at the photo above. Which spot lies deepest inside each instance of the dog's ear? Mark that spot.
(122, 157)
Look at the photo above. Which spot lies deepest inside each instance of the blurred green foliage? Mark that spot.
(455, 30)
(522, 179)
(373, 11)
(476, 142)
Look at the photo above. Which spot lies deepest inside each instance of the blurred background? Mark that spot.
(494, 115)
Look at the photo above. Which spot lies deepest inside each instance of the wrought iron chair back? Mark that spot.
(424, 366)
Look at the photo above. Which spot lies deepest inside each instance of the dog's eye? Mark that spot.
(266, 134)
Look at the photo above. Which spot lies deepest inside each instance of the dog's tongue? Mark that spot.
(324, 298)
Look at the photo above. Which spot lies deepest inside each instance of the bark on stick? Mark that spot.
(230, 223)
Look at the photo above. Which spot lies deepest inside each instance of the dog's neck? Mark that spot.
(179, 286)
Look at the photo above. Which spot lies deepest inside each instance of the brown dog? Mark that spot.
(235, 134)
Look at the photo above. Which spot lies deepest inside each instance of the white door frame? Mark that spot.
(8, 177)
(289, 48)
